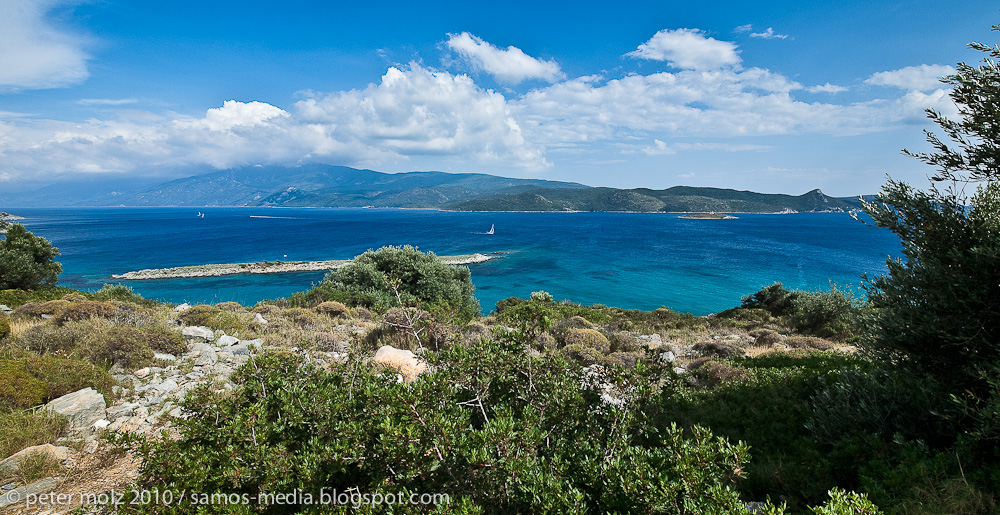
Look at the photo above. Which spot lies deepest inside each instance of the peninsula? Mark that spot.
(708, 216)
(268, 267)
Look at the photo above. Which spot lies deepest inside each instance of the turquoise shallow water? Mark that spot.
(620, 259)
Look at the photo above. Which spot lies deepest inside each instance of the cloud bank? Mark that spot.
(34, 54)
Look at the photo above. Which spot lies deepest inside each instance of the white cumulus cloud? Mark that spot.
(510, 65)
(916, 78)
(688, 49)
(34, 53)
(826, 88)
(422, 111)
(768, 34)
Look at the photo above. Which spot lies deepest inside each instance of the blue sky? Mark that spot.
(775, 97)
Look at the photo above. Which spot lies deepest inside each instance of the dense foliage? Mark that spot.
(26, 260)
(391, 276)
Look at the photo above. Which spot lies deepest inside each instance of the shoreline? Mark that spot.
(268, 267)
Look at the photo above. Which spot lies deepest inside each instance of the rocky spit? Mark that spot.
(268, 267)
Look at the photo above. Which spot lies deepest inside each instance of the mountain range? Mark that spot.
(317, 185)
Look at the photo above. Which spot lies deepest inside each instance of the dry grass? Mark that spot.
(18, 326)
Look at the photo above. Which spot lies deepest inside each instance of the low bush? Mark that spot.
(20, 429)
(127, 347)
(807, 343)
(37, 309)
(164, 340)
(830, 314)
(31, 381)
(332, 308)
(774, 299)
(765, 337)
(589, 338)
(462, 431)
(200, 314)
(85, 310)
(230, 306)
(16, 298)
(583, 354)
(4, 326)
(47, 338)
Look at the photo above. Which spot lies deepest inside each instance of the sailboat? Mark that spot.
(200, 215)
(492, 226)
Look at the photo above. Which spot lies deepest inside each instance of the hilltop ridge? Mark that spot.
(318, 185)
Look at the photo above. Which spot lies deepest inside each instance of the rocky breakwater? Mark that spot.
(268, 267)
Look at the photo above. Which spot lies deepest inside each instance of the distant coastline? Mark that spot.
(708, 216)
(267, 267)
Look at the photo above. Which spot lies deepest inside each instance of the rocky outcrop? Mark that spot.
(81, 408)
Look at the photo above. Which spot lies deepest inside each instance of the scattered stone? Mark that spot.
(240, 348)
(91, 447)
(259, 319)
(166, 386)
(256, 342)
(5, 309)
(8, 486)
(668, 357)
(142, 372)
(167, 357)
(176, 413)
(20, 494)
(403, 361)
(198, 332)
(225, 341)
(680, 370)
(102, 424)
(206, 358)
(81, 408)
(182, 308)
(116, 412)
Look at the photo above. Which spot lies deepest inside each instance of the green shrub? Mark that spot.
(332, 308)
(583, 353)
(833, 313)
(37, 465)
(46, 338)
(588, 338)
(743, 317)
(18, 388)
(846, 503)
(774, 299)
(15, 298)
(807, 343)
(85, 310)
(422, 278)
(161, 339)
(37, 309)
(4, 326)
(74, 297)
(541, 296)
(22, 429)
(230, 306)
(124, 346)
(201, 314)
(495, 429)
(30, 381)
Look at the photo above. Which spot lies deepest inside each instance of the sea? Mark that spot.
(630, 260)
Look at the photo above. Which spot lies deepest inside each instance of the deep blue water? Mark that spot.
(618, 259)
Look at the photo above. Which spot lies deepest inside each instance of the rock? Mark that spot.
(257, 343)
(81, 408)
(198, 332)
(19, 495)
(91, 447)
(166, 386)
(167, 357)
(240, 348)
(680, 370)
(668, 357)
(259, 319)
(142, 372)
(206, 358)
(115, 412)
(176, 413)
(4, 309)
(8, 486)
(182, 308)
(225, 341)
(201, 347)
(59, 453)
(102, 424)
(403, 361)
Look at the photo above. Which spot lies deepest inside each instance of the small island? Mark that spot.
(268, 267)
(708, 216)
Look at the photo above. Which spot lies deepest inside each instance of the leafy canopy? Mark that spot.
(26, 260)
